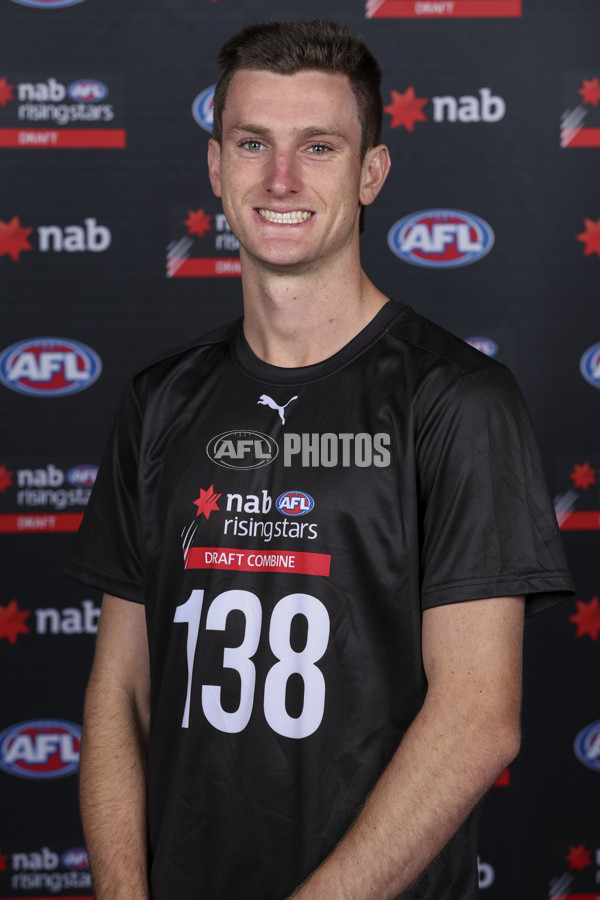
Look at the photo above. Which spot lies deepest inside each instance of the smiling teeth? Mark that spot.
(286, 218)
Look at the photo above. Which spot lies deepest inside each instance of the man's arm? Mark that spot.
(113, 754)
(466, 733)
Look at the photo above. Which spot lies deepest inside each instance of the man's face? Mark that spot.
(289, 171)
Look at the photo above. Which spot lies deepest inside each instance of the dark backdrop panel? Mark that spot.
(112, 242)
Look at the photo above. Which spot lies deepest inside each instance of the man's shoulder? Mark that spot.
(185, 355)
(432, 346)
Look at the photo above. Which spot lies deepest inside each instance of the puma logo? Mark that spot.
(265, 400)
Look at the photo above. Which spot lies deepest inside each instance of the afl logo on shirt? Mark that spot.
(440, 238)
(242, 449)
(295, 503)
(589, 365)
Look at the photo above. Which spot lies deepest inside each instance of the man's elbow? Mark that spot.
(502, 739)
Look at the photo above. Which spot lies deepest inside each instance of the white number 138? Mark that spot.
(290, 661)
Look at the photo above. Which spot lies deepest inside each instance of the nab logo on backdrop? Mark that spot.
(49, 367)
(15, 238)
(208, 248)
(74, 110)
(443, 9)
(406, 108)
(40, 749)
(202, 108)
(440, 238)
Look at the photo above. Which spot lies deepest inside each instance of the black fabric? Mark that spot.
(418, 455)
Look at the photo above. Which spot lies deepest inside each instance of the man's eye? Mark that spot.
(319, 149)
(252, 145)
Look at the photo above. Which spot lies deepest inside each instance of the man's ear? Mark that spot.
(214, 166)
(375, 168)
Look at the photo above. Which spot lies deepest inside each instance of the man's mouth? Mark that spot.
(286, 218)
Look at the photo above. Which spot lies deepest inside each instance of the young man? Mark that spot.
(316, 527)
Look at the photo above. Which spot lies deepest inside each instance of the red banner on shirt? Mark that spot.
(258, 560)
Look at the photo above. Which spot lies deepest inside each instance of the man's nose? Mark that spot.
(282, 175)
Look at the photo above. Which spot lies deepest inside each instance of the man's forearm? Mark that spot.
(113, 794)
(466, 733)
(429, 788)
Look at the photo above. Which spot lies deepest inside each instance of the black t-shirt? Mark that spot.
(285, 528)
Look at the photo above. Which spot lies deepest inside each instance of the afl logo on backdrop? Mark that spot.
(75, 859)
(440, 238)
(589, 365)
(87, 90)
(40, 749)
(202, 108)
(587, 746)
(82, 476)
(47, 4)
(483, 344)
(49, 367)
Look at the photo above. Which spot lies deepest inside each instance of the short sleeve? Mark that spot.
(106, 551)
(488, 527)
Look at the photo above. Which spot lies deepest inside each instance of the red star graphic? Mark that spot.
(207, 502)
(590, 237)
(6, 91)
(587, 618)
(12, 621)
(3, 862)
(13, 238)
(406, 109)
(583, 476)
(590, 92)
(5, 478)
(579, 857)
(198, 222)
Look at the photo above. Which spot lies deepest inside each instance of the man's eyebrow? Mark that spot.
(308, 132)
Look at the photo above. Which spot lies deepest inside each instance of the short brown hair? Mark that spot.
(288, 47)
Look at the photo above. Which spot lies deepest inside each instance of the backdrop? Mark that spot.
(113, 248)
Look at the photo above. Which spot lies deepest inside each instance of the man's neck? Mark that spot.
(299, 320)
